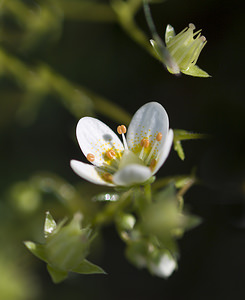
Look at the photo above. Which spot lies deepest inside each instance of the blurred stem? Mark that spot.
(87, 11)
(148, 193)
(188, 184)
(180, 181)
(43, 80)
(111, 209)
(126, 11)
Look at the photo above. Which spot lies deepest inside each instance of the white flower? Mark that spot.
(134, 161)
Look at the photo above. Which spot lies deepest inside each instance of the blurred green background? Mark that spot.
(63, 59)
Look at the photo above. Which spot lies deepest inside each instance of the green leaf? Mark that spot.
(194, 70)
(179, 149)
(57, 275)
(87, 267)
(49, 225)
(37, 250)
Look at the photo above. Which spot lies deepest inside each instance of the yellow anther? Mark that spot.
(145, 143)
(90, 157)
(121, 129)
(110, 154)
(153, 164)
(159, 137)
(107, 177)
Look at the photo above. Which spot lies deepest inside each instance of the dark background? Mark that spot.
(101, 57)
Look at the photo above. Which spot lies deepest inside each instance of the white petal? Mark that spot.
(96, 138)
(88, 172)
(132, 174)
(165, 151)
(147, 122)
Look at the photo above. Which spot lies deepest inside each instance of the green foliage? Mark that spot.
(182, 135)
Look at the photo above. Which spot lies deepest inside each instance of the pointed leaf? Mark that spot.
(57, 275)
(194, 70)
(179, 149)
(37, 250)
(87, 267)
(49, 225)
(180, 135)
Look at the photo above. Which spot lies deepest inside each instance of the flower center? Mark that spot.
(142, 153)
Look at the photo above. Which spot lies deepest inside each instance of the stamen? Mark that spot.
(90, 157)
(121, 129)
(159, 136)
(107, 177)
(192, 26)
(158, 139)
(145, 144)
(110, 154)
(153, 164)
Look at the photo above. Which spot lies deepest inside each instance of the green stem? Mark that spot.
(179, 181)
(148, 193)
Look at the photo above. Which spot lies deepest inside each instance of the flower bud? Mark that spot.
(183, 51)
(67, 246)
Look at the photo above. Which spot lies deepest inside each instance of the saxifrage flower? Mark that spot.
(134, 161)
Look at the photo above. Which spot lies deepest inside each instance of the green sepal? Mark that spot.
(192, 221)
(169, 34)
(49, 225)
(87, 267)
(165, 57)
(57, 275)
(179, 149)
(195, 71)
(36, 249)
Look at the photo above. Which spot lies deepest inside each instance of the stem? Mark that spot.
(126, 12)
(186, 187)
(148, 193)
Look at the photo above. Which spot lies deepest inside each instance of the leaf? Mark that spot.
(87, 267)
(37, 250)
(195, 71)
(181, 135)
(57, 275)
(179, 149)
(49, 225)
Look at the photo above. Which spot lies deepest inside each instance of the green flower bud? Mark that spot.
(182, 52)
(67, 246)
(126, 222)
(162, 263)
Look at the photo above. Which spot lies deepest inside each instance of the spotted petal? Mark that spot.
(88, 172)
(147, 122)
(94, 137)
(132, 174)
(167, 144)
